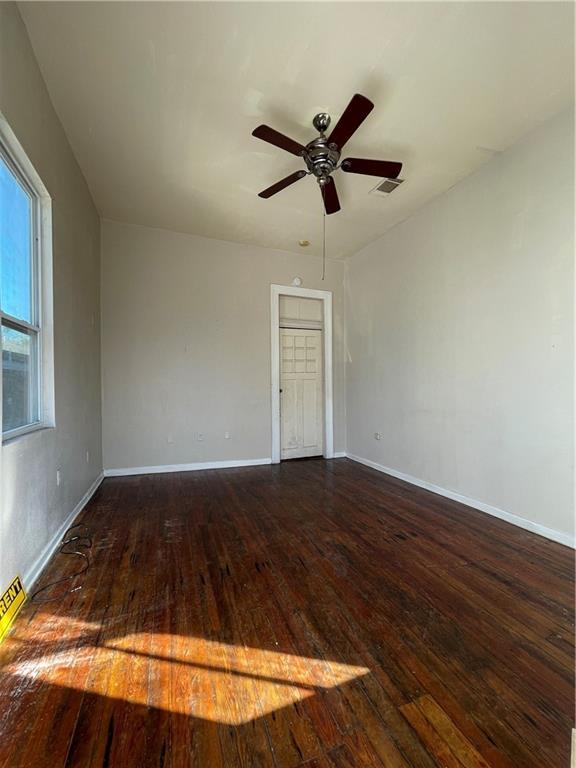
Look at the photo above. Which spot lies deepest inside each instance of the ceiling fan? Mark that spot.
(322, 155)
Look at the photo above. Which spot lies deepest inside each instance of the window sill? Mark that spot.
(18, 434)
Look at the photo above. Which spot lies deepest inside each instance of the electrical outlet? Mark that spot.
(227, 435)
(170, 439)
(377, 436)
(87, 457)
(58, 477)
(200, 436)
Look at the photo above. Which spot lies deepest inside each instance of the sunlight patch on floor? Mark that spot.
(229, 684)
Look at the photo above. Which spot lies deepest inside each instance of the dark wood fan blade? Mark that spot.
(330, 195)
(354, 115)
(268, 134)
(282, 184)
(383, 168)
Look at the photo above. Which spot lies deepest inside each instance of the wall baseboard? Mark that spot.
(194, 467)
(521, 522)
(32, 574)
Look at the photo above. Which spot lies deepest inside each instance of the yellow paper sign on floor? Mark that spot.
(10, 603)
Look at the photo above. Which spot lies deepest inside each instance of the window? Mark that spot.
(22, 211)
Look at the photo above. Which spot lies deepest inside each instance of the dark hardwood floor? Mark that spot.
(313, 614)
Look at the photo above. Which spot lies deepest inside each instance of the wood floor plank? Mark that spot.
(430, 736)
(458, 743)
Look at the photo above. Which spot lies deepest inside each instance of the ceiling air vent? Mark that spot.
(386, 186)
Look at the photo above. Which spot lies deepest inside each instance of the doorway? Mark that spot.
(301, 374)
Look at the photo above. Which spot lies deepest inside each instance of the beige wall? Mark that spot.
(186, 345)
(460, 336)
(33, 507)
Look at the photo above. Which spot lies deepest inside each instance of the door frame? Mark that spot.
(326, 298)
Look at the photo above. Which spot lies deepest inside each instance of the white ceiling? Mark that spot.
(159, 101)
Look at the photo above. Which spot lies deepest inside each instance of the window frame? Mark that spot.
(41, 325)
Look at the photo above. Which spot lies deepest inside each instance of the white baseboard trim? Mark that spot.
(339, 455)
(194, 467)
(521, 522)
(31, 575)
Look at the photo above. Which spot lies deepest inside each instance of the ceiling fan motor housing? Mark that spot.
(321, 158)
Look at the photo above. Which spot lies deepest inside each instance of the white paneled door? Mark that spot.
(301, 406)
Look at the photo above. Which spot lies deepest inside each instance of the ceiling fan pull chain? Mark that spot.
(323, 243)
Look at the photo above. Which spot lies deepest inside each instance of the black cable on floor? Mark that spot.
(77, 541)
